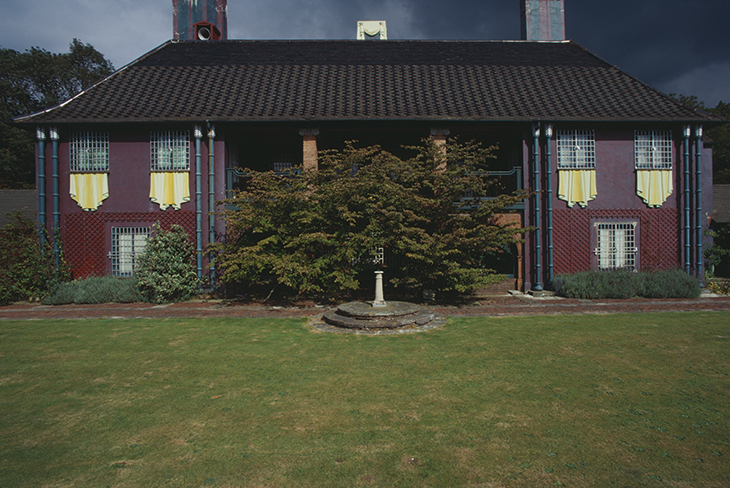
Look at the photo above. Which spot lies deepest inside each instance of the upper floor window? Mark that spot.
(576, 149)
(89, 152)
(653, 149)
(170, 150)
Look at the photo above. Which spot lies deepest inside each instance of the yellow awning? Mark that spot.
(577, 186)
(170, 189)
(89, 189)
(654, 185)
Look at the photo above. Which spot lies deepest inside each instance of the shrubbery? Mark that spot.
(101, 289)
(166, 270)
(26, 270)
(315, 233)
(624, 284)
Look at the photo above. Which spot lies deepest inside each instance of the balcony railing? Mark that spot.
(504, 182)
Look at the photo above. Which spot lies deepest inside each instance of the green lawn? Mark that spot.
(597, 400)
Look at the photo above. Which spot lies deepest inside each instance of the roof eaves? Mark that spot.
(27, 119)
(707, 116)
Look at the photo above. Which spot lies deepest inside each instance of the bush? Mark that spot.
(317, 232)
(668, 284)
(26, 271)
(103, 289)
(625, 284)
(592, 285)
(166, 270)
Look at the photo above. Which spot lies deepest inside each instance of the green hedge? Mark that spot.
(624, 284)
(101, 289)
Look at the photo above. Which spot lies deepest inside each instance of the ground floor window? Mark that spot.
(127, 244)
(616, 246)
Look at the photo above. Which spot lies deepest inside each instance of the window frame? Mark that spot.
(576, 149)
(89, 152)
(169, 144)
(123, 264)
(651, 145)
(630, 253)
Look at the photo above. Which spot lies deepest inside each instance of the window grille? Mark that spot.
(576, 149)
(616, 246)
(170, 150)
(653, 149)
(89, 152)
(127, 244)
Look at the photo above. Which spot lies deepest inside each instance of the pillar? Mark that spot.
(309, 148)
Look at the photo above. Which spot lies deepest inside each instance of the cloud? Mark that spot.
(674, 45)
(695, 81)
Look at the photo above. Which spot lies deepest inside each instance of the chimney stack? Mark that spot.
(543, 20)
(199, 20)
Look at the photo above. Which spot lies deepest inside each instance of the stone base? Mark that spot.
(363, 316)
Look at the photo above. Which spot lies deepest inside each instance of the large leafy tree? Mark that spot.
(31, 81)
(315, 232)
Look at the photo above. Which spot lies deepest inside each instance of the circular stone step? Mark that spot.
(365, 310)
(363, 316)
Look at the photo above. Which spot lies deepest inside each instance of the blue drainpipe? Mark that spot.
(536, 174)
(687, 232)
(549, 191)
(42, 230)
(698, 195)
(211, 198)
(198, 204)
(56, 205)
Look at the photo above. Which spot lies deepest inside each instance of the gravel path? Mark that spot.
(493, 306)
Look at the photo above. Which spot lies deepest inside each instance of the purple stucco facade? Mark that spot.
(660, 231)
(86, 234)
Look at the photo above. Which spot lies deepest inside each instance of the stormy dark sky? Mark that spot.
(676, 46)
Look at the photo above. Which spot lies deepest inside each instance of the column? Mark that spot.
(309, 148)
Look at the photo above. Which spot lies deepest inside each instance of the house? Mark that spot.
(621, 176)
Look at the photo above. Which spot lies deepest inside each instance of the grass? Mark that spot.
(579, 401)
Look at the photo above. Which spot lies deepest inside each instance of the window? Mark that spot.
(89, 152)
(127, 244)
(576, 149)
(616, 246)
(170, 150)
(653, 149)
(280, 166)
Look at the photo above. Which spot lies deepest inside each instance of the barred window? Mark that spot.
(653, 149)
(282, 159)
(576, 149)
(281, 166)
(127, 244)
(89, 152)
(616, 246)
(170, 150)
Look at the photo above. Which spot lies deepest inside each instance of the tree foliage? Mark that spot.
(719, 134)
(314, 232)
(31, 81)
(27, 269)
(166, 270)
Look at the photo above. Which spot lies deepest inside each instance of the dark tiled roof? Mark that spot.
(360, 80)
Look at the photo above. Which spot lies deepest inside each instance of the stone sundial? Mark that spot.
(381, 315)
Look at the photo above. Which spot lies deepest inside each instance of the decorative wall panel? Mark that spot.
(85, 240)
(660, 242)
